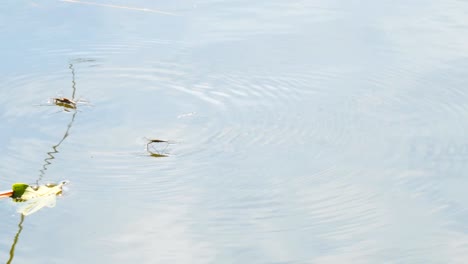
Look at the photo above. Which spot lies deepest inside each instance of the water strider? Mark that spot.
(65, 103)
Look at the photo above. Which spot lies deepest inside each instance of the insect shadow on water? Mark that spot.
(49, 199)
(157, 148)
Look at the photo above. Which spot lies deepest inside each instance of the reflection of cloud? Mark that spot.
(429, 31)
(163, 235)
(218, 22)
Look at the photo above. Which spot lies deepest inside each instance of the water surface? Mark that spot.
(300, 131)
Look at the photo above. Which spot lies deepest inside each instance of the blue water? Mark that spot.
(299, 131)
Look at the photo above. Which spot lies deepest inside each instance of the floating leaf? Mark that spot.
(35, 197)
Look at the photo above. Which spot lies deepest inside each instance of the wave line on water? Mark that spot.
(121, 7)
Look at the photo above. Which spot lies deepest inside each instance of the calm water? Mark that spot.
(301, 131)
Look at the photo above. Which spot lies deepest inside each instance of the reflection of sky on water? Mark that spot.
(322, 133)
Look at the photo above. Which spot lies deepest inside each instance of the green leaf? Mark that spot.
(19, 189)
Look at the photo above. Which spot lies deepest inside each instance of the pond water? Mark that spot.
(299, 131)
